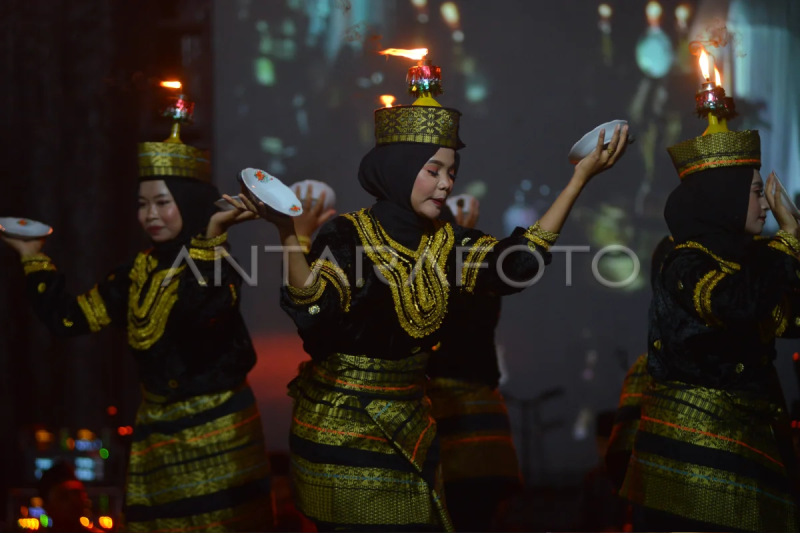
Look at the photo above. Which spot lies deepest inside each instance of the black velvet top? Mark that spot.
(713, 322)
(467, 351)
(373, 297)
(187, 336)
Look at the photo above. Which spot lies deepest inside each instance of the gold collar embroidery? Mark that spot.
(147, 318)
(417, 278)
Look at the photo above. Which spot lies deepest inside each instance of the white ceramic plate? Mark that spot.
(23, 228)
(588, 142)
(317, 188)
(787, 201)
(271, 191)
(465, 199)
(223, 204)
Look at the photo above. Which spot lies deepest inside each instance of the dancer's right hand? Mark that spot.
(23, 247)
(783, 216)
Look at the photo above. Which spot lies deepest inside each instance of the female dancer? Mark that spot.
(369, 301)
(713, 452)
(198, 461)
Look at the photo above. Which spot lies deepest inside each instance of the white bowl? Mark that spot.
(271, 191)
(317, 188)
(466, 200)
(23, 228)
(588, 142)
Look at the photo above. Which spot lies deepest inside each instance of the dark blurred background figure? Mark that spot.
(601, 507)
(65, 500)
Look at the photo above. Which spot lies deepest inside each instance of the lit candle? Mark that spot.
(711, 101)
(179, 110)
(425, 79)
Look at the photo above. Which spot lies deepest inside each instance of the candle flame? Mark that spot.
(704, 64)
(417, 53)
(387, 100)
(171, 84)
(717, 77)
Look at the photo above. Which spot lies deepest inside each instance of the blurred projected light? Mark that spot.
(519, 216)
(276, 167)
(272, 145)
(423, 18)
(525, 185)
(288, 27)
(265, 45)
(476, 91)
(653, 10)
(605, 12)
(458, 36)
(478, 189)
(581, 428)
(544, 190)
(264, 71)
(419, 3)
(377, 77)
(682, 13)
(450, 14)
(294, 4)
(610, 225)
(654, 53)
(364, 83)
(618, 267)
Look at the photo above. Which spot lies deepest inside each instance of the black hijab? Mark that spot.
(710, 207)
(195, 200)
(388, 173)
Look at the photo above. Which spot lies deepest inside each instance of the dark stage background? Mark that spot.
(290, 86)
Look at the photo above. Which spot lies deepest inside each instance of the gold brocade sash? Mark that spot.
(392, 393)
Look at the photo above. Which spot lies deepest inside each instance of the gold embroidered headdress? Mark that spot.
(718, 146)
(425, 121)
(172, 157)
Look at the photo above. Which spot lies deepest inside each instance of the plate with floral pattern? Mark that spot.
(270, 190)
(23, 228)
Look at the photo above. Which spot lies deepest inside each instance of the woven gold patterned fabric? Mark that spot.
(199, 465)
(713, 456)
(725, 149)
(173, 159)
(364, 447)
(475, 431)
(418, 124)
